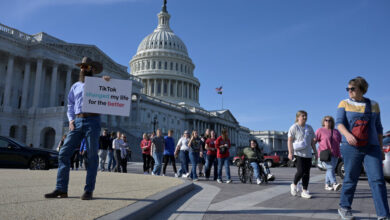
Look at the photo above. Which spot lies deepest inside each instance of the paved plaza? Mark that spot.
(120, 195)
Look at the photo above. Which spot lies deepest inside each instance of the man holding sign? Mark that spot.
(81, 125)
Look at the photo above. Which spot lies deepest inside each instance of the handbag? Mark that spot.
(326, 155)
(300, 145)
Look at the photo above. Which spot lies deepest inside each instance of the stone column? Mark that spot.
(169, 88)
(188, 91)
(26, 81)
(38, 81)
(175, 89)
(53, 86)
(8, 80)
(155, 87)
(67, 84)
(137, 118)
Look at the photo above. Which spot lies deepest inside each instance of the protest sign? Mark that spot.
(112, 97)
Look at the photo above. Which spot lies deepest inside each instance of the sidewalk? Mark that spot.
(116, 195)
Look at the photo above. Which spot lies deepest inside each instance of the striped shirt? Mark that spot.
(348, 110)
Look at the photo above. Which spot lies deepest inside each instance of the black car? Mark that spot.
(14, 154)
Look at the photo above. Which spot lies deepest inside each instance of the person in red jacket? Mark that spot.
(145, 147)
(223, 145)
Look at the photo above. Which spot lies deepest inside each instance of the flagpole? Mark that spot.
(222, 100)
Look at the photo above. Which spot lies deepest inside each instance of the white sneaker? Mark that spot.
(258, 181)
(293, 189)
(219, 181)
(176, 176)
(305, 194)
(185, 175)
(153, 174)
(329, 188)
(336, 186)
(229, 181)
(163, 175)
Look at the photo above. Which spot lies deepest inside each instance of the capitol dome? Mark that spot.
(163, 64)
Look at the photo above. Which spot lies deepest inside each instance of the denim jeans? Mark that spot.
(256, 170)
(103, 156)
(184, 160)
(90, 129)
(111, 160)
(330, 178)
(194, 158)
(158, 162)
(371, 157)
(211, 160)
(223, 162)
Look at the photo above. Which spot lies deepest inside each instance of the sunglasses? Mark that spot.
(350, 89)
(86, 67)
(328, 120)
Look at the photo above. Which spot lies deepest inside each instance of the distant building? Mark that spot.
(271, 140)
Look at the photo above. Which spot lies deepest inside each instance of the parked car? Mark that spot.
(14, 154)
(386, 162)
(272, 159)
(386, 151)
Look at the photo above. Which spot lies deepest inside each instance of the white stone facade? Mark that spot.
(272, 140)
(39, 70)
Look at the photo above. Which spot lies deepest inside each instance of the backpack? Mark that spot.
(360, 126)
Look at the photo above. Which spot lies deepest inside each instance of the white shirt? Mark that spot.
(116, 144)
(183, 143)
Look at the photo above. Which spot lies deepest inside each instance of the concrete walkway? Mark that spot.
(117, 195)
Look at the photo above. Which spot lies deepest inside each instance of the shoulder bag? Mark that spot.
(326, 155)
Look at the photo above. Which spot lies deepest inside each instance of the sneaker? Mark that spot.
(270, 177)
(176, 176)
(293, 189)
(258, 181)
(55, 194)
(145, 173)
(163, 175)
(229, 181)
(219, 181)
(185, 175)
(329, 188)
(345, 214)
(153, 174)
(305, 194)
(195, 180)
(336, 186)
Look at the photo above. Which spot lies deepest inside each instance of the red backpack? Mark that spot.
(360, 126)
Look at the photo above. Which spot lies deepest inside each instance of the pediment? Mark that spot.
(227, 115)
(93, 52)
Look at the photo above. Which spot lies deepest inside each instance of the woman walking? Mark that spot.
(146, 143)
(358, 120)
(329, 139)
(182, 150)
(169, 153)
(223, 145)
(124, 153)
(301, 142)
(195, 145)
(211, 156)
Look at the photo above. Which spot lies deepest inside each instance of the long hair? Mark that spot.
(255, 141)
(224, 134)
(299, 113)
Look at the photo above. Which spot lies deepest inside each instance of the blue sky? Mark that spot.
(273, 58)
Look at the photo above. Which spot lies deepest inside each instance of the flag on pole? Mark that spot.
(219, 90)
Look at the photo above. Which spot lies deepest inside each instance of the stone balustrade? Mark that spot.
(16, 33)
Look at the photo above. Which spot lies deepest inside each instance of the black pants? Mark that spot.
(118, 159)
(74, 160)
(124, 164)
(211, 161)
(147, 162)
(303, 171)
(166, 160)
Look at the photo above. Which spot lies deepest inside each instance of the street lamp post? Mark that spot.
(154, 122)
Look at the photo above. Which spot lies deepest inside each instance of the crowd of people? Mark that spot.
(358, 139)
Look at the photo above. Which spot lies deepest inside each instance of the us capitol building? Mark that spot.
(38, 71)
